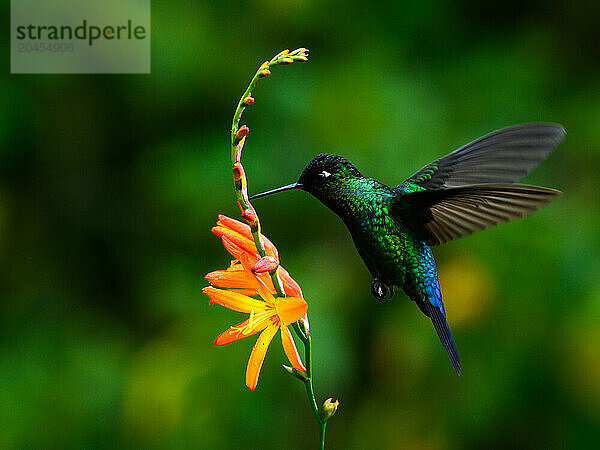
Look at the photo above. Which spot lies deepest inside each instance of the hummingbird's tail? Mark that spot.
(441, 326)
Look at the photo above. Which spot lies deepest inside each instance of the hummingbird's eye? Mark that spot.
(324, 174)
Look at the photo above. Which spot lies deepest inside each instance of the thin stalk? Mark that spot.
(308, 385)
(237, 143)
(238, 139)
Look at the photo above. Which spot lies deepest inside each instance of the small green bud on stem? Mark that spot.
(300, 374)
(329, 408)
(304, 326)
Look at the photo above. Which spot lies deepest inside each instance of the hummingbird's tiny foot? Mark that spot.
(381, 291)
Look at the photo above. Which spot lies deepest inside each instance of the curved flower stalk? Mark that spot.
(255, 283)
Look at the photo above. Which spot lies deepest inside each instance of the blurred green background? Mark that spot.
(109, 186)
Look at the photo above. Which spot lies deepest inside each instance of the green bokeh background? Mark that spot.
(109, 186)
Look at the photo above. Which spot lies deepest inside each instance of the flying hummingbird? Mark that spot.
(465, 191)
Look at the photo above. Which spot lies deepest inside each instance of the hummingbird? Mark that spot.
(468, 190)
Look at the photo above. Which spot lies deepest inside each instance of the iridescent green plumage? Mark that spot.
(466, 191)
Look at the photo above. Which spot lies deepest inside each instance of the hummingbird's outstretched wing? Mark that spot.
(501, 157)
(443, 215)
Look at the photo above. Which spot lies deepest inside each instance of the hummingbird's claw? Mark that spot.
(381, 291)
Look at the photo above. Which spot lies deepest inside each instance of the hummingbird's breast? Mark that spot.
(381, 240)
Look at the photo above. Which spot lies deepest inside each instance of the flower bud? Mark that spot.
(264, 73)
(240, 134)
(329, 408)
(304, 326)
(300, 374)
(250, 217)
(298, 51)
(265, 264)
(238, 176)
(248, 101)
(287, 60)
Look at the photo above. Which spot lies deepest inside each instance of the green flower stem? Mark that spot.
(237, 142)
(308, 385)
(284, 57)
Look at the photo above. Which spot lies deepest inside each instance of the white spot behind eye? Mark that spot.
(325, 174)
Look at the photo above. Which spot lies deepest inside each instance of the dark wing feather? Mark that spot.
(443, 331)
(501, 157)
(444, 215)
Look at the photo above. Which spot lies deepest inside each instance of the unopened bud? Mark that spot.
(240, 134)
(284, 52)
(238, 176)
(248, 101)
(301, 58)
(304, 326)
(265, 264)
(328, 409)
(300, 374)
(287, 60)
(298, 51)
(264, 73)
(250, 217)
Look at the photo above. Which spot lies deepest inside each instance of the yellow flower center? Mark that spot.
(255, 320)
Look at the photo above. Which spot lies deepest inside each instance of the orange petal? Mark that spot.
(266, 278)
(241, 241)
(230, 279)
(290, 286)
(270, 248)
(236, 251)
(258, 355)
(290, 309)
(247, 292)
(259, 284)
(264, 291)
(235, 333)
(244, 230)
(290, 349)
(234, 301)
(235, 225)
(233, 249)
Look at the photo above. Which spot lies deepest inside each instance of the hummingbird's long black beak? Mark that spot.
(288, 187)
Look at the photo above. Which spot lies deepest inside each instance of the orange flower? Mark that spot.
(239, 234)
(266, 317)
(237, 240)
(246, 278)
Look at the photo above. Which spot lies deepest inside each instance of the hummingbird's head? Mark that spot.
(324, 174)
(321, 177)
